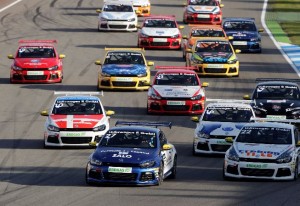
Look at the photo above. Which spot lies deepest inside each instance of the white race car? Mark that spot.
(75, 119)
(117, 16)
(142, 7)
(219, 120)
(264, 150)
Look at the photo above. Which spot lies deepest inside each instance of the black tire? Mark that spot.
(160, 174)
(193, 151)
(225, 177)
(174, 169)
(296, 175)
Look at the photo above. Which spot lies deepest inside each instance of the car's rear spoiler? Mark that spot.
(276, 79)
(239, 18)
(205, 26)
(175, 67)
(124, 49)
(279, 120)
(68, 93)
(147, 124)
(242, 101)
(24, 41)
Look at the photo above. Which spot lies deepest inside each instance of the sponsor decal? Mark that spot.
(259, 153)
(257, 166)
(122, 154)
(120, 169)
(35, 72)
(75, 134)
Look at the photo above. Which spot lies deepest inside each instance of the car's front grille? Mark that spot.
(214, 70)
(120, 164)
(220, 137)
(123, 84)
(118, 26)
(120, 176)
(35, 77)
(257, 172)
(257, 160)
(35, 69)
(160, 43)
(75, 129)
(76, 140)
(176, 107)
(219, 147)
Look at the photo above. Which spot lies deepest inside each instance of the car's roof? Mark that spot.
(127, 3)
(176, 71)
(212, 39)
(160, 17)
(205, 26)
(134, 128)
(270, 124)
(284, 83)
(228, 104)
(238, 19)
(77, 97)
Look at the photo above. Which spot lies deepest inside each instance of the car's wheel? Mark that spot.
(98, 28)
(161, 174)
(224, 176)
(296, 172)
(45, 146)
(193, 151)
(174, 169)
(184, 21)
(98, 89)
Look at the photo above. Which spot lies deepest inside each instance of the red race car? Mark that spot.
(203, 12)
(176, 90)
(36, 61)
(160, 32)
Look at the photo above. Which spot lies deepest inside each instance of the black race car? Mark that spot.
(276, 98)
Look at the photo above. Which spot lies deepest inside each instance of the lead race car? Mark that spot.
(176, 90)
(276, 98)
(264, 150)
(133, 153)
(75, 119)
(36, 61)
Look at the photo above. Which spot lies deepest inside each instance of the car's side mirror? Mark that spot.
(261, 30)
(188, 50)
(44, 113)
(229, 139)
(195, 119)
(181, 27)
(205, 84)
(184, 37)
(230, 37)
(98, 62)
(167, 147)
(110, 112)
(246, 97)
(62, 56)
(93, 144)
(10, 56)
(237, 51)
(98, 11)
(150, 63)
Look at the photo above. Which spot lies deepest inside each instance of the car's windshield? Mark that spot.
(239, 25)
(227, 114)
(186, 79)
(203, 2)
(160, 23)
(265, 135)
(213, 46)
(118, 8)
(207, 33)
(129, 139)
(276, 92)
(124, 58)
(36, 52)
(77, 107)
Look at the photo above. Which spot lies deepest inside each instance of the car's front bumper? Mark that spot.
(210, 146)
(38, 76)
(259, 170)
(159, 43)
(124, 83)
(117, 25)
(197, 18)
(218, 69)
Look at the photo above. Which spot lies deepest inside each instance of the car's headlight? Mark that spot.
(254, 39)
(53, 68)
(197, 97)
(153, 95)
(147, 164)
(105, 74)
(284, 157)
(142, 75)
(17, 68)
(94, 161)
(175, 36)
(144, 35)
(99, 128)
(202, 135)
(53, 128)
(132, 19)
(232, 155)
(217, 12)
(233, 61)
(196, 61)
(103, 19)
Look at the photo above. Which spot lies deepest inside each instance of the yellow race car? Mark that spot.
(213, 57)
(124, 68)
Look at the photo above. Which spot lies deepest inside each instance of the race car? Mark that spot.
(276, 98)
(220, 120)
(135, 153)
(75, 119)
(176, 90)
(198, 32)
(124, 68)
(246, 35)
(36, 61)
(142, 7)
(213, 57)
(264, 150)
(160, 32)
(203, 12)
(117, 16)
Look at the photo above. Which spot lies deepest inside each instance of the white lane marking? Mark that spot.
(10, 5)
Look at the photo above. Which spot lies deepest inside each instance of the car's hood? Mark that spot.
(220, 128)
(76, 121)
(118, 15)
(192, 40)
(242, 34)
(178, 91)
(260, 151)
(35, 62)
(214, 57)
(203, 9)
(124, 155)
(124, 69)
(157, 32)
(279, 105)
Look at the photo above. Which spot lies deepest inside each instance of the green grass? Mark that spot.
(283, 19)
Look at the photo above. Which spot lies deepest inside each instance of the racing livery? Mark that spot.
(219, 121)
(198, 32)
(264, 150)
(203, 12)
(214, 57)
(142, 7)
(176, 90)
(36, 61)
(117, 16)
(135, 153)
(124, 68)
(276, 98)
(245, 34)
(75, 119)
(160, 32)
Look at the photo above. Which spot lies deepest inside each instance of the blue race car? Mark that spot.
(245, 34)
(137, 153)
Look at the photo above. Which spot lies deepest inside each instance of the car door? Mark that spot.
(166, 154)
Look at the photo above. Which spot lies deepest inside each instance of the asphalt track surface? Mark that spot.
(32, 175)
